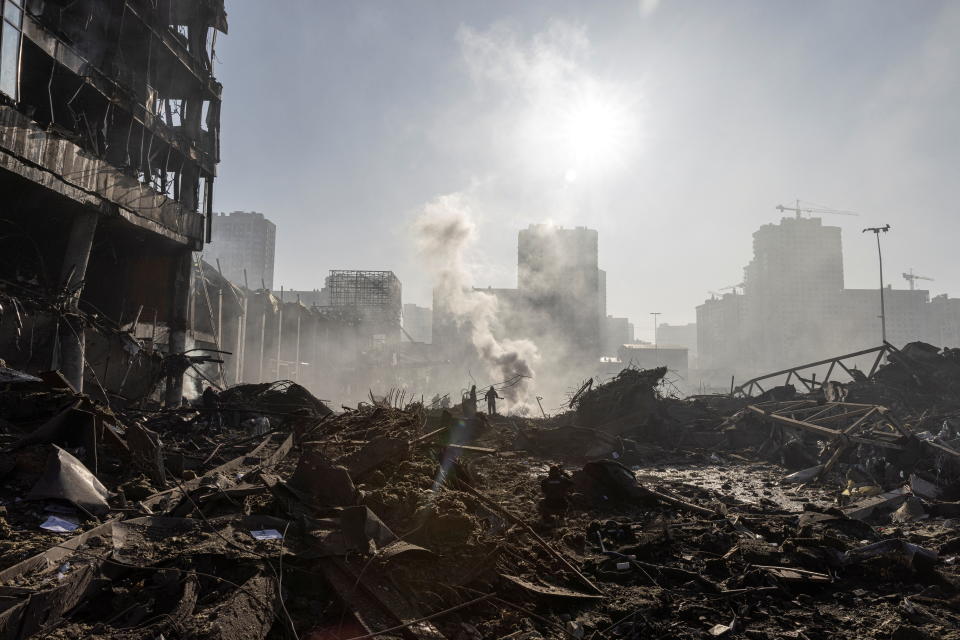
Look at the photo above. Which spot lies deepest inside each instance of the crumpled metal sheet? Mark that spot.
(66, 478)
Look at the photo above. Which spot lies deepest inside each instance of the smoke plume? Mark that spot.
(444, 231)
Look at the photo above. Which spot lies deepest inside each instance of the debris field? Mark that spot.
(260, 513)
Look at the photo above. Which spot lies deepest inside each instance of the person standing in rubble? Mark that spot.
(556, 487)
(492, 397)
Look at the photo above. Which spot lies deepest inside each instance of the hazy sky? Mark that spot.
(672, 127)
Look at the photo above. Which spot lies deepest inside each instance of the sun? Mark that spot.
(594, 133)
(581, 132)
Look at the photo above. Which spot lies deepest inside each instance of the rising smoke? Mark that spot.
(444, 231)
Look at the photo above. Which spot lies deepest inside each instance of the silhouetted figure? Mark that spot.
(492, 401)
(210, 398)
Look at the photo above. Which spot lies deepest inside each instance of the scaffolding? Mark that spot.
(375, 293)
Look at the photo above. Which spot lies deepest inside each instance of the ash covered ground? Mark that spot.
(263, 514)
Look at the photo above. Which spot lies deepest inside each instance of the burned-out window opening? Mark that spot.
(173, 111)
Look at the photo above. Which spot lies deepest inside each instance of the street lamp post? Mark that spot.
(656, 348)
(883, 315)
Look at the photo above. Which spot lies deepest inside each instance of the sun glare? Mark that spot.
(582, 137)
(594, 133)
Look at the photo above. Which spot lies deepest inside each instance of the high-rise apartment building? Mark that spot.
(244, 243)
(792, 286)
(559, 278)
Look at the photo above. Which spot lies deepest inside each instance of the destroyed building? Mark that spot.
(109, 143)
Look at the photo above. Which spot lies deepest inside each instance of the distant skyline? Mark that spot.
(672, 127)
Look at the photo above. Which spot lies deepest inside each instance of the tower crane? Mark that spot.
(801, 210)
(733, 287)
(911, 278)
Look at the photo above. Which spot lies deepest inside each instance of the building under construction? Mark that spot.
(374, 295)
(109, 142)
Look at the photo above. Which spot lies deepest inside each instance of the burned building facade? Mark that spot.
(109, 142)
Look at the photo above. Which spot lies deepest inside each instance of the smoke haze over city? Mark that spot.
(673, 128)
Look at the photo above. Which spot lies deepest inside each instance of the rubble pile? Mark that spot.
(633, 403)
(258, 513)
(916, 378)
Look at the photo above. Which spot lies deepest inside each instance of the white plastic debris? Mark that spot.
(59, 525)
(804, 475)
(267, 534)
